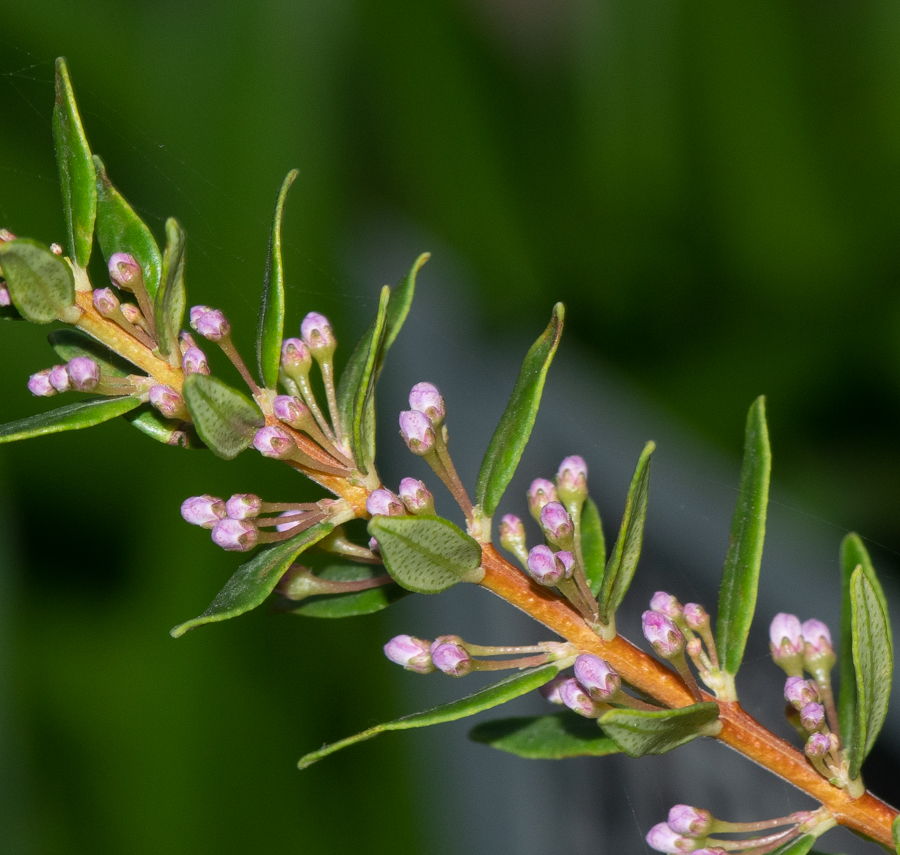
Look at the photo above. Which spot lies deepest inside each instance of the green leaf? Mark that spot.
(545, 737)
(270, 330)
(170, 300)
(76, 170)
(515, 426)
(593, 545)
(801, 846)
(148, 420)
(40, 283)
(485, 699)
(398, 308)
(120, 229)
(256, 579)
(226, 420)
(349, 604)
(740, 578)
(895, 833)
(70, 344)
(624, 559)
(83, 414)
(639, 732)
(426, 554)
(873, 663)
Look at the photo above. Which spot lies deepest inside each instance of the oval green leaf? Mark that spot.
(84, 414)
(593, 545)
(640, 732)
(511, 436)
(353, 603)
(76, 170)
(545, 737)
(255, 580)
(148, 420)
(69, 344)
(225, 419)
(426, 554)
(169, 305)
(485, 699)
(740, 578)
(627, 551)
(40, 283)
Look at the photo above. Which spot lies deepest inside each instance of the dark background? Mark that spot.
(712, 191)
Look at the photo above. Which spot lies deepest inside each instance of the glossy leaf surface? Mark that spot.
(511, 436)
(627, 551)
(740, 578)
(270, 329)
(226, 420)
(546, 737)
(148, 420)
(349, 604)
(593, 545)
(69, 344)
(40, 283)
(83, 414)
(170, 301)
(76, 170)
(255, 580)
(485, 699)
(426, 554)
(638, 732)
(120, 229)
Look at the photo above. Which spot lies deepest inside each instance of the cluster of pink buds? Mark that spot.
(80, 374)
(797, 647)
(414, 498)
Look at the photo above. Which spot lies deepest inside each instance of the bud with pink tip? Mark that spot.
(296, 360)
(59, 378)
(567, 559)
(571, 480)
(243, 506)
(105, 302)
(210, 323)
(318, 335)
(818, 745)
(56, 248)
(194, 361)
(556, 522)
(812, 717)
(5, 297)
(544, 566)
(290, 410)
(84, 373)
(132, 314)
(597, 677)
(417, 432)
(6, 236)
(39, 384)
(666, 605)
(709, 850)
(818, 652)
(273, 442)
(540, 493)
(235, 535)
(425, 398)
(690, 821)
(451, 658)
(800, 692)
(666, 638)
(288, 525)
(413, 654)
(512, 534)
(383, 503)
(374, 546)
(786, 643)
(125, 272)
(416, 496)
(696, 617)
(662, 838)
(204, 510)
(550, 691)
(167, 401)
(576, 698)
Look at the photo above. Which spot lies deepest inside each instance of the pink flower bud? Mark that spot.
(417, 431)
(786, 643)
(296, 360)
(383, 503)
(235, 535)
(39, 384)
(210, 323)
(577, 699)
(597, 677)
(661, 632)
(690, 821)
(544, 567)
(666, 605)
(374, 546)
(540, 493)
(318, 335)
(185, 340)
(453, 659)
(105, 301)
(695, 616)
(5, 298)
(84, 373)
(59, 378)
(425, 398)
(568, 562)
(167, 401)
(550, 691)
(194, 361)
(274, 442)
(818, 745)
(416, 496)
(6, 236)
(664, 839)
(56, 248)
(132, 313)
(812, 717)
(124, 271)
(571, 479)
(290, 410)
(243, 506)
(556, 522)
(512, 533)
(817, 650)
(412, 653)
(800, 692)
(204, 510)
(288, 525)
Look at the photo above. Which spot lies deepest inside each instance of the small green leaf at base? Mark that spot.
(41, 284)
(426, 554)
(639, 732)
(351, 604)
(171, 299)
(226, 420)
(255, 580)
(593, 545)
(485, 699)
(148, 420)
(512, 434)
(895, 833)
(83, 414)
(546, 737)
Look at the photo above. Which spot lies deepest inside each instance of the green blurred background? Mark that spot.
(712, 190)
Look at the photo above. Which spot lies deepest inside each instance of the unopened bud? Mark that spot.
(550, 691)
(84, 373)
(540, 493)
(812, 717)
(5, 298)
(132, 314)
(696, 617)
(210, 323)
(6, 236)
(204, 510)
(818, 745)
(383, 503)
(597, 677)
(576, 698)
(417, 431)
(185, 340)
(416, 496)
(544, 566)
(571, 480)
(56, 248)
(786, 643)
(412, 653)
(666, 605)
(512, 534)
(273, 442)
(194, 361)
(567, 559)
(451, 658)
(318, 335)
(296, 359)
(59, 378)
(556, 522)
(105, 301)
(666, 638)
(167, 401)
(39, 384)
(818, 652)
(690, 821)
(662, 838)
(288, 525)
(242, 506)
(124, 271)
(374, 546)
(235, 535)
(425, 398)
(800, 692)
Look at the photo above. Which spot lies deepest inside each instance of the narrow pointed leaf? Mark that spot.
(895, 833)
(70, 344)
(638, 732)
(740, 578)
(226, 420)
(426, 554)
(40, 283)
(873, 663)
(593, 545)
(546, 737)
(270, 330)
(76, 170)
(485, 699)
(801, 846)
(511, 436)
(83, 414)
(255, 580)
(120, 229)
(349, 604)
(148, 420)
(627, 551)
(170, 300)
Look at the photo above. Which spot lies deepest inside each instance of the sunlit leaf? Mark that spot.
(639, 732)
(83, 414)
(593, 545)
(546, 737)
(170, 301)
(226, 420)
(350, 604)
(40, 283)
